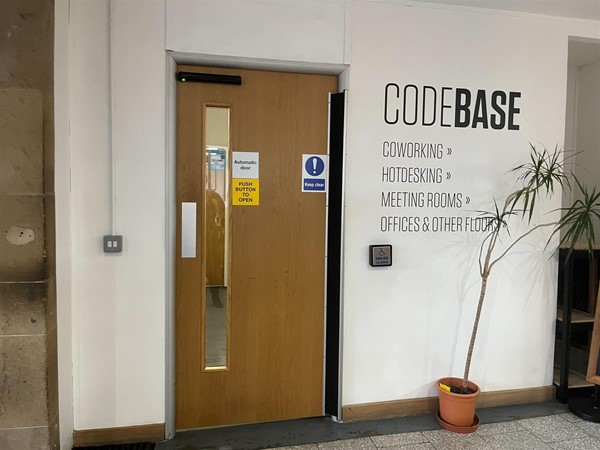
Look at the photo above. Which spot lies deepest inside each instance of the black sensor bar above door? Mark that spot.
(209, 78)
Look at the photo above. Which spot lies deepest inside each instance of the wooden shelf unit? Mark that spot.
(576, 316)
(571, 319)
(576, 379)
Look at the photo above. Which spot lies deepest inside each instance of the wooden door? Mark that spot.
(269, 302)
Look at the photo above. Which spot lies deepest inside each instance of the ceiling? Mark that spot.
(580, 53)
(578, 9)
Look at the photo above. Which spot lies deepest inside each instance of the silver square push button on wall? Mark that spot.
(380, 255)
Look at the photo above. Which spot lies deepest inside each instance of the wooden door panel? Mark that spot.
(277, 249)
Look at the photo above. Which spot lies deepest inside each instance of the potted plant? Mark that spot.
(541, 176)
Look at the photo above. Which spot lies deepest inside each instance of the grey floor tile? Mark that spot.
(522, 440)
(348, 444)
(553, 428)
(489, 429)
(570, 417)
(445, 440)
(396, 440)
(591, 428)
(425, 446)
(588, 443)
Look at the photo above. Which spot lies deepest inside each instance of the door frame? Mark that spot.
(172, 60)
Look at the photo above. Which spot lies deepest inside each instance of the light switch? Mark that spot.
(113, 244)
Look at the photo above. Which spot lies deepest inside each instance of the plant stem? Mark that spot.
(485, 273)
(484, 279)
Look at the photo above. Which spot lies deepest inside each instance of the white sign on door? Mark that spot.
(245, 165)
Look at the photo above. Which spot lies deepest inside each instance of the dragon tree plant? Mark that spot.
(541, 176)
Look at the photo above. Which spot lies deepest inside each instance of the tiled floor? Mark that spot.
(543, 426)
(558, 432)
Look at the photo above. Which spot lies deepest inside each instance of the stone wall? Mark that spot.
(27, 322)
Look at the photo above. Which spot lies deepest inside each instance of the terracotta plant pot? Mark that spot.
(457, 410)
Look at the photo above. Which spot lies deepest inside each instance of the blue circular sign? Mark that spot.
(314, 166)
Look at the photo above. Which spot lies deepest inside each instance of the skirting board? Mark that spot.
(121, 435)
(411, 407)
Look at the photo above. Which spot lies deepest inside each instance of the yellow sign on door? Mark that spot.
(245, 191)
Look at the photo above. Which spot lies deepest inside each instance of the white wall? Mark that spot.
(306, 31)
(408, 325)
(400, 323)
(118, 300)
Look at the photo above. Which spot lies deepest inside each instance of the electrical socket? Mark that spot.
(113, 244)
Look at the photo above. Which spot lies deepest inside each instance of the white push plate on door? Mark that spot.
(188, 230)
